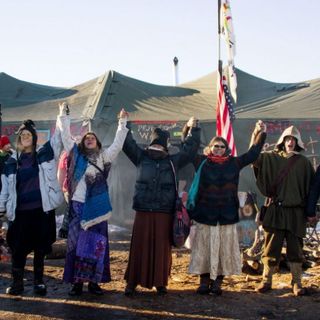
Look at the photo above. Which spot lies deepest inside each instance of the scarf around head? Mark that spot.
(217, 159)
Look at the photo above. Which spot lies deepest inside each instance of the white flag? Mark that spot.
(226, 27)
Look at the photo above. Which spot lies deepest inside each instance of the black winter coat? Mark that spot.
(217, 198)
(155, 189)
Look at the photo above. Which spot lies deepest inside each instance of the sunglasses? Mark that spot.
(218, 146)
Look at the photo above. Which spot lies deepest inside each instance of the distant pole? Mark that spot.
(175, 71)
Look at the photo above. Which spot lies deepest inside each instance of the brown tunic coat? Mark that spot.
(292, 192)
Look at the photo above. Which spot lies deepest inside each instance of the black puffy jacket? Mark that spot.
(155, 189)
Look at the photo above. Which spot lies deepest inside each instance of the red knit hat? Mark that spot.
(4, 140)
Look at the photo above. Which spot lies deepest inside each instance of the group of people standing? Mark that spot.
(31, 192)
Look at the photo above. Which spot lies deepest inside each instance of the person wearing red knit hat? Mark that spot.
(5, 152)
(5, 143)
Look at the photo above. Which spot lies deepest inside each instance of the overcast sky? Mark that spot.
(67, 42)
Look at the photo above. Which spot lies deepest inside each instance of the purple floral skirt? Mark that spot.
(87, 256)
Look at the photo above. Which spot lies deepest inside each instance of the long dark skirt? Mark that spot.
(32, 230)
(150, 251)
(87, 251)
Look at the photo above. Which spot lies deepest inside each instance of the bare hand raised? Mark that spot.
(192, 122)
(63, 109)
(123, 114)
(260, 127)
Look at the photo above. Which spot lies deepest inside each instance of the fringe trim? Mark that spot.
(87, 224)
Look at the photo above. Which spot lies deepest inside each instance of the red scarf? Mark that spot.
(217, 159)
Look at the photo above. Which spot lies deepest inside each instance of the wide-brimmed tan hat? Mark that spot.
(293, 132)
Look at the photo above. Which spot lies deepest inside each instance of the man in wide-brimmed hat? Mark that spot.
(284, 175)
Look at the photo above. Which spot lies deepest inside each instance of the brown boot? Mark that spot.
(266, 283)
(296, 272)
(264, 287)
(204, 284)
(298, 290)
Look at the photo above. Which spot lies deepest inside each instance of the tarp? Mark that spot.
(257, 97)
(279, 104)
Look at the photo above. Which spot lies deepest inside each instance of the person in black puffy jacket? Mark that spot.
(154, 202)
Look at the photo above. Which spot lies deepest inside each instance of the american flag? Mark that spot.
(225, 114)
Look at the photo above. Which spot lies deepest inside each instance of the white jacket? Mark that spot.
(107, 155)
(51, 194)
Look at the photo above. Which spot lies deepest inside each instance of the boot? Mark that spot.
(129, 290)
(266, 283)
(204, 284)
(162, 291)
(76, 289)
(16, 287)
(94, 288)
(39, 287)
(296, 272)
(215, 287)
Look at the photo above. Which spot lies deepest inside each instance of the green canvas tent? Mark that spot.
(95, 105)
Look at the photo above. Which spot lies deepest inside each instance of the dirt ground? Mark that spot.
(238, 301)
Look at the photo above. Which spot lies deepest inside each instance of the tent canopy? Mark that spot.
(21, 100)
(257, 98)
(99, 101)
(103, 97)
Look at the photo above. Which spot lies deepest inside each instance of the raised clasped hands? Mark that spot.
(192, 122)
(123, 114)
(260, 127)
(63, 108)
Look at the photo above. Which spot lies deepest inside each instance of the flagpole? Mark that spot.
(219, 72)
(219, 42)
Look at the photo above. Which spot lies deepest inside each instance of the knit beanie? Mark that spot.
(30, 126)
(4, 140)
(159, 136)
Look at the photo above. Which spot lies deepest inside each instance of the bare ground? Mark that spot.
(239, 301)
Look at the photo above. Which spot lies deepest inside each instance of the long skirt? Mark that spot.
(215, 250)
(150, 252)
(31, 230)
(87, 258)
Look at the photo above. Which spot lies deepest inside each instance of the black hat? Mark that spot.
(30, 126)
(159, 136)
